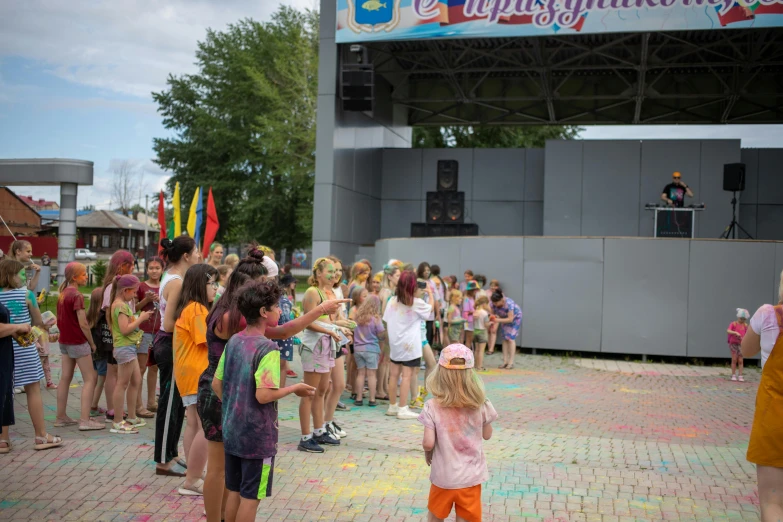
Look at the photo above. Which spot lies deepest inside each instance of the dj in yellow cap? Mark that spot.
(674, 193)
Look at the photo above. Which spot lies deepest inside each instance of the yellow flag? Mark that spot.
(192, 215)
(177, 212)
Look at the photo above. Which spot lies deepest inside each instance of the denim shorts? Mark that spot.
(76, 351)
(146, 343)
(125, 354)
(189, 400)
(367, 360)
(101, 366)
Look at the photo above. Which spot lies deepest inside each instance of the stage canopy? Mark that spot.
(502, 62)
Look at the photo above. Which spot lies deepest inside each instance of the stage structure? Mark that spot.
(387, 66)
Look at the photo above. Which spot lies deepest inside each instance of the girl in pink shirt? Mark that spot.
(456, 422)
(736, 333)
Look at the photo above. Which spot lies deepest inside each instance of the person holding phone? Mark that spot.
(148, 300)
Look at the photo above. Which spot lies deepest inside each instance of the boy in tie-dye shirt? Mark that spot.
(247, 380)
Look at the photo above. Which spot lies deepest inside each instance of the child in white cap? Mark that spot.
(456, 421)
(736, 332)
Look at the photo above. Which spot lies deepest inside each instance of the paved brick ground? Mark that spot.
(572, 443)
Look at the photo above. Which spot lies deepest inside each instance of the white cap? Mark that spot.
(271, 267)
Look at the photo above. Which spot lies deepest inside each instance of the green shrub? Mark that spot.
(98, 271)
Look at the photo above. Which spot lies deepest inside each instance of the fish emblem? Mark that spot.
(373, 5)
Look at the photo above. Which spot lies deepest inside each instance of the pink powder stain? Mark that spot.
(313, 481)
(136, 487)
(142, 518)
(649, 373)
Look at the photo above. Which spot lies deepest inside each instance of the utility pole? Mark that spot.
(146, 224)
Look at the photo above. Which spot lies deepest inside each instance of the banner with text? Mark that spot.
(368, 20)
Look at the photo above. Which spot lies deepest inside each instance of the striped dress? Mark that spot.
(27, 364)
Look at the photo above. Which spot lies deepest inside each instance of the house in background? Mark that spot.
(40, 204)
(104, 231)
(18, 215)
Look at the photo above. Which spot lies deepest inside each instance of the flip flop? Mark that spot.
(49, 441)
(64, 423)
(182, 462)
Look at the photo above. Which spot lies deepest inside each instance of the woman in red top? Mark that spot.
(76, 346)
(147, 300)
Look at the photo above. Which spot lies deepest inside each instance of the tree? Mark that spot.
(244, 124)
(123, 185)
(89, 208)
(498, 137)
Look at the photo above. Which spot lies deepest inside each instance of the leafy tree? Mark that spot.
(244, 124)
(497, 137)
(90, 208)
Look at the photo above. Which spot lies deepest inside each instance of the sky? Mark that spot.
(76, 83)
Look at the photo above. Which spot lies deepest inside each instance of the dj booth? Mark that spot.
(674, 222)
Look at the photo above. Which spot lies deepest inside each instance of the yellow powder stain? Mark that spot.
(350, 465)
(638, 392)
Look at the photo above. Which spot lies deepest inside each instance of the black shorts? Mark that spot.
(251, 478)
(413, 363)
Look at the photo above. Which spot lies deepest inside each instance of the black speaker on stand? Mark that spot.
(445, 207)
(734, 181)
(357, 87)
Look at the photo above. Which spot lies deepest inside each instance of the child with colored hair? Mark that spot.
(736, 332)
(456, 420)
(126, 335)
(76, 347)
(454, 320)
(247, 380)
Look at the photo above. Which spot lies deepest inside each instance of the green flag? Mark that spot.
(170, 229)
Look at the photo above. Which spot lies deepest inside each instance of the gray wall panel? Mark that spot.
(770, 180)
(397, 216)
(564, 275)
(645, 305)
(769, 223)
(442, 251)
(323, 205)
(750, 157)
(716, 290)
(499, 218)
(610, 188)
(534, 218)
(498, 175)
(430, 170)
(473, 256)
(747, 219)
(534, 175)
(659, 159)
(402, 174)
(563, 188)
(715, 154)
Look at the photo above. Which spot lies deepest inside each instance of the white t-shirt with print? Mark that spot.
(403, 324)
(765, 324)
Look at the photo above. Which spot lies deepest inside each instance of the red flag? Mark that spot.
(212, 224)
(161, 220)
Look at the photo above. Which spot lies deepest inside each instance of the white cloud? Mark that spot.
(125, 47)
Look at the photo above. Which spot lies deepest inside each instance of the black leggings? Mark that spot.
(171, 411)
(430, 332)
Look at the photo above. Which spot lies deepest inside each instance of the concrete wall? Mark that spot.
(504, 188)
(615, 295)
(599, 188)
(347, 207)
(761, 205)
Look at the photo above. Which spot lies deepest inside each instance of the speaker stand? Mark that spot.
(734, 225)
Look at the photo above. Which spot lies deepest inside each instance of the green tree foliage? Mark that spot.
(491, 137)
(244, 124)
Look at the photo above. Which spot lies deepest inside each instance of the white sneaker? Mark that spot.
(393, 410)
(405, 413)
(733, 377)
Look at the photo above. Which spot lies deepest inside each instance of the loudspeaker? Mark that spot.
(357, 88)
(448, 175)
(734, 177)
(445, 207)
(444, 230)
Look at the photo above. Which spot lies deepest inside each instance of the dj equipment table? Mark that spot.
(674, 221)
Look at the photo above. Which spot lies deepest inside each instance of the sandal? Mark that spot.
(51, 386)
(372, 404)
(153, 407)
(123, 428)
(91, 425)
(97, 412)
(62, 423)
(136, 423)
(146, 414)
(179, 460)
(358, 403)
(196, 490)
(7, 446)
(382, 398)
(48, 442)
(503, 366)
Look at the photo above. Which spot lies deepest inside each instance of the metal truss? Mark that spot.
(690, 77)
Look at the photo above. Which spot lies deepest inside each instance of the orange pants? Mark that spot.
(467, 501)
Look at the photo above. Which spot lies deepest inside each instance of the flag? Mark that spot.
(161, 219)
(177, 211)
(170, 229)
(212, 224)
(199, 216)
(192, 219)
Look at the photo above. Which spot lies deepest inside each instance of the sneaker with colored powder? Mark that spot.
(405, 413)
(392, 411)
